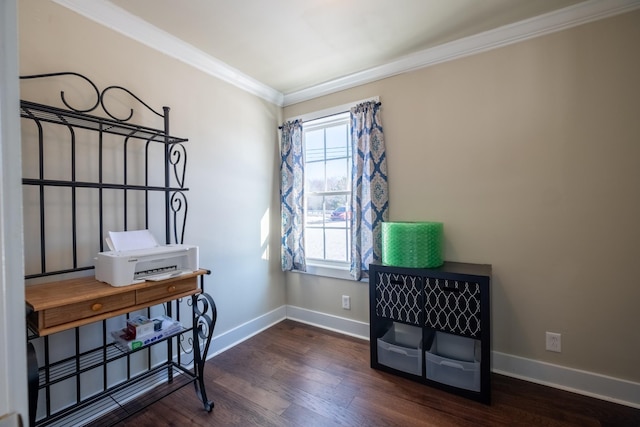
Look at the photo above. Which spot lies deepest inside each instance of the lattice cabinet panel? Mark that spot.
(453, 306)
(399, 297)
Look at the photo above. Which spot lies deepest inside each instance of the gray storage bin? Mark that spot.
(454, 372)
(401, 348)
(456, 347)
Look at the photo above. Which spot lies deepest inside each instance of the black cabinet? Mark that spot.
(433, 325)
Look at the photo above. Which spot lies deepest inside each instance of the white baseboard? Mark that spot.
(235, 336)
(345, 326)
(574, 380)
(582, 382)
(10, 420)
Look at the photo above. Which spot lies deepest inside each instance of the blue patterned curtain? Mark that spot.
(292, 196)
(370, 197)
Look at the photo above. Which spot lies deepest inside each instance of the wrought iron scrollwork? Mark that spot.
(205, 315)
(100, 96)
(106, 110)
(62, 97)
(178, 159)
(179, 208)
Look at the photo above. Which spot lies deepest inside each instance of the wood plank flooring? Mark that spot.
(293, 374)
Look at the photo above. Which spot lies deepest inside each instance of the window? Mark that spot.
(327, 165)
(319, 228)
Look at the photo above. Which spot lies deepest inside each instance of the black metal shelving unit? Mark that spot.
(149, 183)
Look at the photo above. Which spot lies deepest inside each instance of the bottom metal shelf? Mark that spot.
(124, 400)
(89, 371)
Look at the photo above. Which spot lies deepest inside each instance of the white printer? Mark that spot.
(136, 256)
(121, 268)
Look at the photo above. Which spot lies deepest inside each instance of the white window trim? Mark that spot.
(327, 269)
(315, 268)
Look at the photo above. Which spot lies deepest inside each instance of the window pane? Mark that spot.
(315, 205)
(337, 142)
(314, 177)
(316, 213)
(338, 158)
(314, 145)
(334, 202)
(337, 175)
(327, 172)
(337, 244)
(314, 243)
(314, 160)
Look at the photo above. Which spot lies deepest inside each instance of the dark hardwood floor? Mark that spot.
(297, 375)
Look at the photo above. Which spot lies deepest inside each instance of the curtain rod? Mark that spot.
(328, 112)
(318, 118)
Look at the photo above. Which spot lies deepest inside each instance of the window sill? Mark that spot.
(332, 271)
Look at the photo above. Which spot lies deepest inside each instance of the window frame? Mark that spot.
(338, 119)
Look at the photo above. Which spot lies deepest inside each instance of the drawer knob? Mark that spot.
(96, 307)
(171, 288)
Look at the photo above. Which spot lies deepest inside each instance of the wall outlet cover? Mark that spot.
(346, 302)
(553, 342)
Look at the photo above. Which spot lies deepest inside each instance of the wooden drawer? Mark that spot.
(165, 291)
(82, 310)
(57, 306)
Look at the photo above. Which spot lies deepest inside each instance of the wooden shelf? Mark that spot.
(58, 306)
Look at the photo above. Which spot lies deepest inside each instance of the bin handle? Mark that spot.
(452, 364)
(398, 350)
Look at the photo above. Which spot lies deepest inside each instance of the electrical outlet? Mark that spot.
(554, 342)
(346, 302)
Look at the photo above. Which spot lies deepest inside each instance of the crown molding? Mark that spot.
(559, 20)
(119, 20)
(116, 18)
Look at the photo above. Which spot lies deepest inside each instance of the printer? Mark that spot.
(127, 267)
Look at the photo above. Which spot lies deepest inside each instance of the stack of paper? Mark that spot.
(131, 240)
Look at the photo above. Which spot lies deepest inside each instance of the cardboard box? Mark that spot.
(168, 327)
(139, 326)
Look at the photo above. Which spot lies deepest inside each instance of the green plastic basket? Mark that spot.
(412, 244)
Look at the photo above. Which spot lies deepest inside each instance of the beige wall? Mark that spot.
(530, 155)
(232, 149)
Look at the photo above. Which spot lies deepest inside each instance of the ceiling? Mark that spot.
(299, 49)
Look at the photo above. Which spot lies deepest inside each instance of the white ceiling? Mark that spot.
(290, 50)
